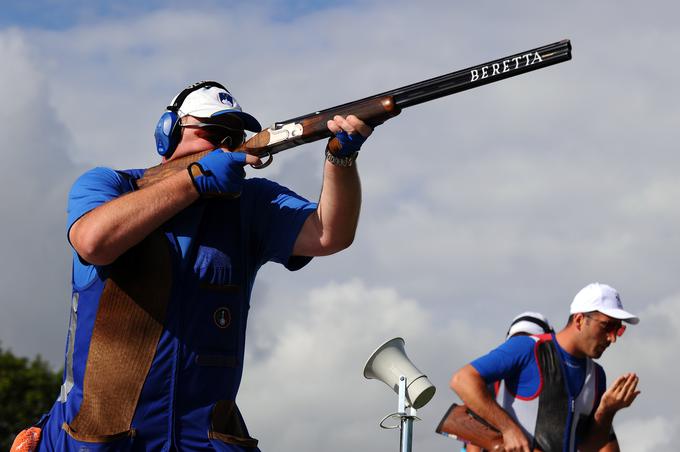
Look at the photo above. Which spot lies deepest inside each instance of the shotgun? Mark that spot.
(461, 423)
(376, 109)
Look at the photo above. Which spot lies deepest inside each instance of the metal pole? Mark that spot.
(407, 414)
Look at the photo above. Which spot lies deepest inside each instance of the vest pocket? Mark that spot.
(227, 426)
(219, 316)
(122, 441)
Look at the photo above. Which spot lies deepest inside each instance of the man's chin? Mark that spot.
(598, 352)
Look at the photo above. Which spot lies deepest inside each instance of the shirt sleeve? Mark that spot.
(277, 221)
(94, 188)
(514, 362)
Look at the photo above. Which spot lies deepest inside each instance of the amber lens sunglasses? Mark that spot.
(610, 326)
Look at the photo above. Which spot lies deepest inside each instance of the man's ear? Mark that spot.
(579, 320)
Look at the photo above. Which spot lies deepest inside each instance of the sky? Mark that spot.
(476, 207)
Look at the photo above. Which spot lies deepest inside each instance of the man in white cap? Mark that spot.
(553, 397)
(162, 278)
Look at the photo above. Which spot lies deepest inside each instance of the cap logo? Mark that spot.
(227, 99)
(618, 301)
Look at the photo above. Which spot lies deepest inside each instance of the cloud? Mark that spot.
(37, 174)
(305, 362)
(476, 207)
(647, 435)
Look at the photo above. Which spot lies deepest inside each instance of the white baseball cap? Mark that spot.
(214, 101)
(604, 299)
(530, 323)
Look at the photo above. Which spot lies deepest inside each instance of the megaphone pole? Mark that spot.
(406, 415)
(406, 429)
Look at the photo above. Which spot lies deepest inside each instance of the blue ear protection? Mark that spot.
(168, 131)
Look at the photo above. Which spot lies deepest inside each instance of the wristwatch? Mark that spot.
(342, 161)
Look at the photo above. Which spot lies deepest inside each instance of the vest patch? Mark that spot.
(222, 318)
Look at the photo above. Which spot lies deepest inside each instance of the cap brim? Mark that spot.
(620, 314)
(249, 122)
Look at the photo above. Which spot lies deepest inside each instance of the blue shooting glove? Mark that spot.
(349, 148)
(350, 143)
(219, 174)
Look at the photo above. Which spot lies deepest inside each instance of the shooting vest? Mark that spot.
(156, 343)
(552, 418)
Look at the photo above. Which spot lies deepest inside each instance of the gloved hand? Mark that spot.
(219, 174)
(350, 133)
(350, 143)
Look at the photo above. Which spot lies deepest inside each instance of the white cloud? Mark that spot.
(36, 175)
(306, 369)
(648, 435)
(476, 207)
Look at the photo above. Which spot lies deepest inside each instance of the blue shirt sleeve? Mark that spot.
(94, 188)
(277, 220)
(514, 362)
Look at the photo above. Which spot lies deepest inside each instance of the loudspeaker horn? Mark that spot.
(388, 362)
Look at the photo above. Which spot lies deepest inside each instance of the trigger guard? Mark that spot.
(264, 164)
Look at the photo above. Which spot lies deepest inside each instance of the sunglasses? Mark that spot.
(610, 326)
(224, 134)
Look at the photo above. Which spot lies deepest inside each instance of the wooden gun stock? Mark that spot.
(376, 109)
(461, 423)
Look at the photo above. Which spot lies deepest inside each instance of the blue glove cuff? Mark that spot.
(218, 174)
(350, 143)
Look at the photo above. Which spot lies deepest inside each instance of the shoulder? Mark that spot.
(103, 179)
(520, 344)
(95, 176)
(521, 350)
(97, 173)
(507, 359)
(260, 184)
(268, 190)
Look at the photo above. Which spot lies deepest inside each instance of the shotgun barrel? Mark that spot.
(376, 109)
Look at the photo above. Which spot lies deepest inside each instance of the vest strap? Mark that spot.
(126, 332)
(551, 419)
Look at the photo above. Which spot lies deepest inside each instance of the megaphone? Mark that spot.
(389, 362)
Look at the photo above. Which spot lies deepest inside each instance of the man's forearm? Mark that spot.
(339, 205)
(106, 232)
(472, 390)
(332, 226)
(599, 434)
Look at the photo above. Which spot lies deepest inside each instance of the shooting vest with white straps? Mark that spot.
(551, 418)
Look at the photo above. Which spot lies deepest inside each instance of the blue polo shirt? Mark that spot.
(275, 212)
(514, 361)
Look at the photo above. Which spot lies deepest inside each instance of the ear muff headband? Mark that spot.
(168, 132)
(546, 328)
(179, 100)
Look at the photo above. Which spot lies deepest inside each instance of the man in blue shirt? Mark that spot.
(552, 394)
(162, 278)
